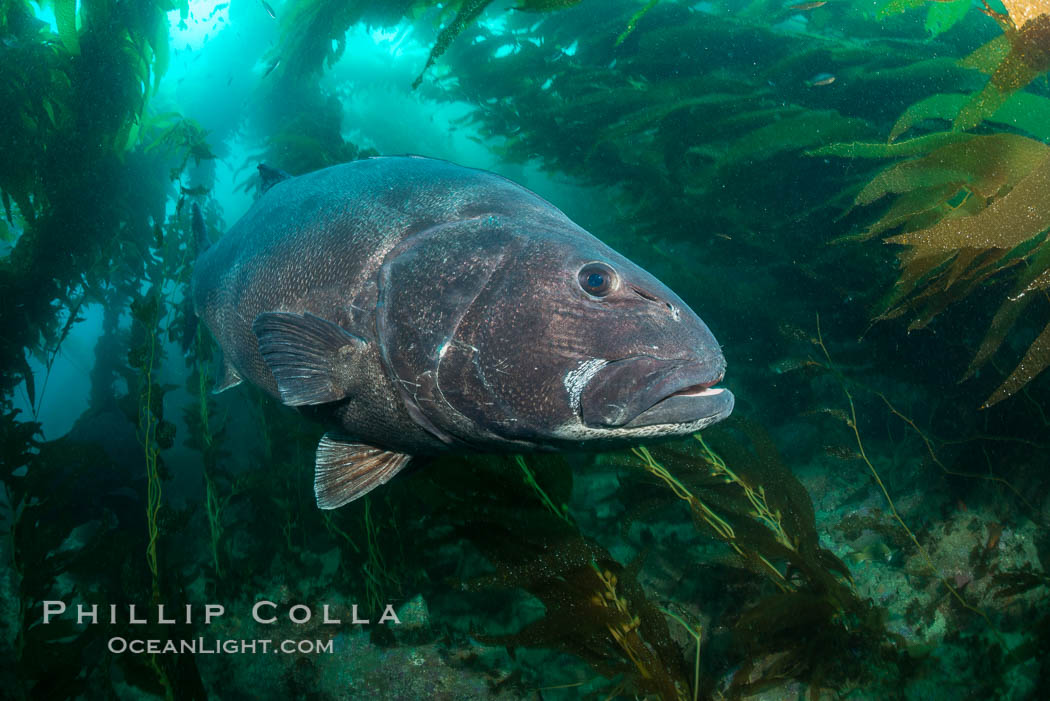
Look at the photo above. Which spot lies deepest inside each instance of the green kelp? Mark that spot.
(941, 15)
(64, 545)
(685, 571)
(90, 206)
(75, 102)
(593, 606)
(739, 492)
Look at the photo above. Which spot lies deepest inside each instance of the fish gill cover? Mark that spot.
(852, 195)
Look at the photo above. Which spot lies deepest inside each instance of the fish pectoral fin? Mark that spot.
(230, 377)
(307, 355)
(345, 471)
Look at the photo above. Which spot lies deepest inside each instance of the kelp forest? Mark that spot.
(854, 196)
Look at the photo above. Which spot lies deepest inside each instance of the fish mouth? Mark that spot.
(645, 391)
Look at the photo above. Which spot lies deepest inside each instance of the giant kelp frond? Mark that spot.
(1023, 110)
(740, 492)
(966, 211)
(1013, 60)
(984, 165)
(75, 99)
(941, 15)
(313, 33)
(1031, 283)
(1008, 220)
(613, 625)
(469, 10)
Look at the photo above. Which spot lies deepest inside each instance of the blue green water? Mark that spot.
(853, 196)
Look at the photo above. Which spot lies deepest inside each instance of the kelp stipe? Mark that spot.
(107, 564)
(593, 606)
(813, 628)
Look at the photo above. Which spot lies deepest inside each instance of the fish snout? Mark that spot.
(644, 391)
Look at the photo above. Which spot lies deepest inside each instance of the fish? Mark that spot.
(820, 79)
(874, 552)
(269, 10)
(270, 176)
(803, 6)
(194, 191)
(416, 308)
(272, 68)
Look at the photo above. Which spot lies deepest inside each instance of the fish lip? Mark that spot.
(642, 391)
(708, 405)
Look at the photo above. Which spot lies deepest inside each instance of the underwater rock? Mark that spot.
(414, 614)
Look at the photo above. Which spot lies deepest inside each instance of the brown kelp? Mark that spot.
(967, 210)
(967, 206)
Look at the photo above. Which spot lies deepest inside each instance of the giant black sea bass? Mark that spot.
(419, 307)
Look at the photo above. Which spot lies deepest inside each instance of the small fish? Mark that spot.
(803, 6)
(820, 79)
(194, 191)
(269, 10)
(272, 68)
(875, 552)
(995, 531)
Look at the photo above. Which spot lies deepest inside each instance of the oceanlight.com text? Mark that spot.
(202, 646)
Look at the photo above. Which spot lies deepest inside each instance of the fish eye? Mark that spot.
(597, 279)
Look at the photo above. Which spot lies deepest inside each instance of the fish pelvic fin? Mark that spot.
(230, 377)
(310, 358)
(346, 471)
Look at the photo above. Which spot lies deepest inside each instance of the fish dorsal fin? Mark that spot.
(346, 471)
(230, 377)
(271, 176)
(308, 356)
